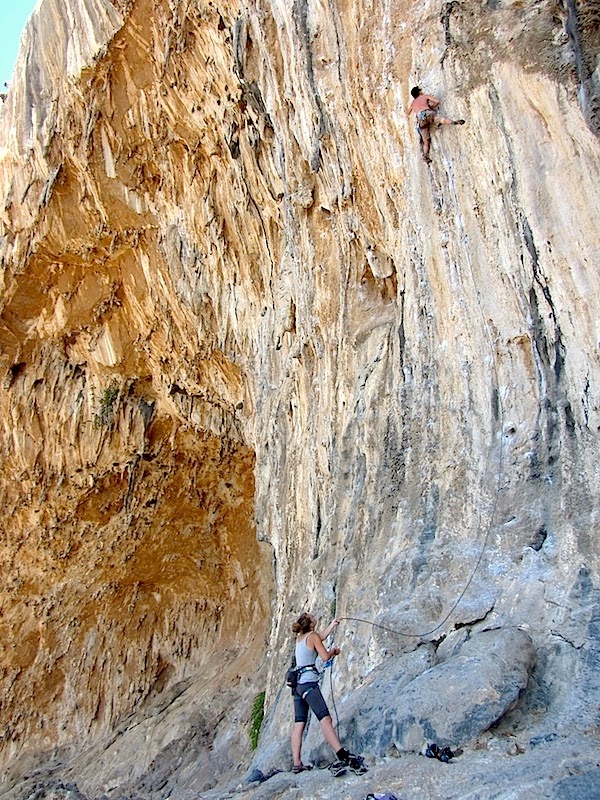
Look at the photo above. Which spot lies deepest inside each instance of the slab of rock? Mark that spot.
(365, 723)
(579, 787)
(451, 703)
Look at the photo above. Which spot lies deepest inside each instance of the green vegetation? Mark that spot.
(106, 413)
(256, 719)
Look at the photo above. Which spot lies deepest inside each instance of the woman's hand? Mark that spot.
(333, 624)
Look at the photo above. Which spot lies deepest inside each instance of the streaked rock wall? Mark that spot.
(259, 357)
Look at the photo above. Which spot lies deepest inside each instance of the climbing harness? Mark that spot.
(305, 694)
(293, 673)
(425, 118)
(319, 674)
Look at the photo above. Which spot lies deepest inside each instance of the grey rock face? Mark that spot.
(451, 702)
(579, 787)
(387, 372)
(454, 702)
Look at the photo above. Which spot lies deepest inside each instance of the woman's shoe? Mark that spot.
(432, 751)
(301, 768)
(357, 764)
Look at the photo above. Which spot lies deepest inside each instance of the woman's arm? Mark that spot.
(316, 643)
(333, 624)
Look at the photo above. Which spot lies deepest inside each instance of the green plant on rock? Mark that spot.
(106, 412)
(256, 719)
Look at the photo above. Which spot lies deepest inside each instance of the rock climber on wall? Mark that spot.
(425, 108)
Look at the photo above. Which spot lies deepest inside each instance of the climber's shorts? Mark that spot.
(308, 696)
(425, 118)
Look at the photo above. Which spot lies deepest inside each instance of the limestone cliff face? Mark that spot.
(258, 357)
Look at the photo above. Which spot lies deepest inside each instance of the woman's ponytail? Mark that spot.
(303, 624)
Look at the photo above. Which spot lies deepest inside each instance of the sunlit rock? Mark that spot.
(258, 357)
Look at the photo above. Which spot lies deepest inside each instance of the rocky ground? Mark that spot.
(559, 769)
(562, 769)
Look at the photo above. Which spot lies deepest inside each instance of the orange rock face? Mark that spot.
(129, 536)
(257, 357)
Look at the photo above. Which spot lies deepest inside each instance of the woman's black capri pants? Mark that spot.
(308, 695)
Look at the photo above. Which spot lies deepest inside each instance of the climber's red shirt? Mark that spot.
(420, 103)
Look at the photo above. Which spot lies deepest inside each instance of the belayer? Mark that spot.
(307, 695)
(424, 106)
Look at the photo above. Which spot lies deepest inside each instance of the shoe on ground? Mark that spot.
(301, 768)
(445, 755)
(338, 768)
(458, 122)
(432, 750)
(357, 764)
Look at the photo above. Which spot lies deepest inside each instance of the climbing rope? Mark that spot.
(499, 475)
(468, 583)
(422, 634)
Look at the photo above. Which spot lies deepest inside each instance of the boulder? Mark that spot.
(451, 703)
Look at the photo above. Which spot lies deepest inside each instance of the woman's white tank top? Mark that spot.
(305, 657)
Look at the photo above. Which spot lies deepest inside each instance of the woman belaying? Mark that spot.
(307, 695)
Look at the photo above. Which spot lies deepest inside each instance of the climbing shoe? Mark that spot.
(301, 768)
(338, 768)
(442, 754)
(458, 122)
(432, 750)
(357, 764)
(445, 755)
